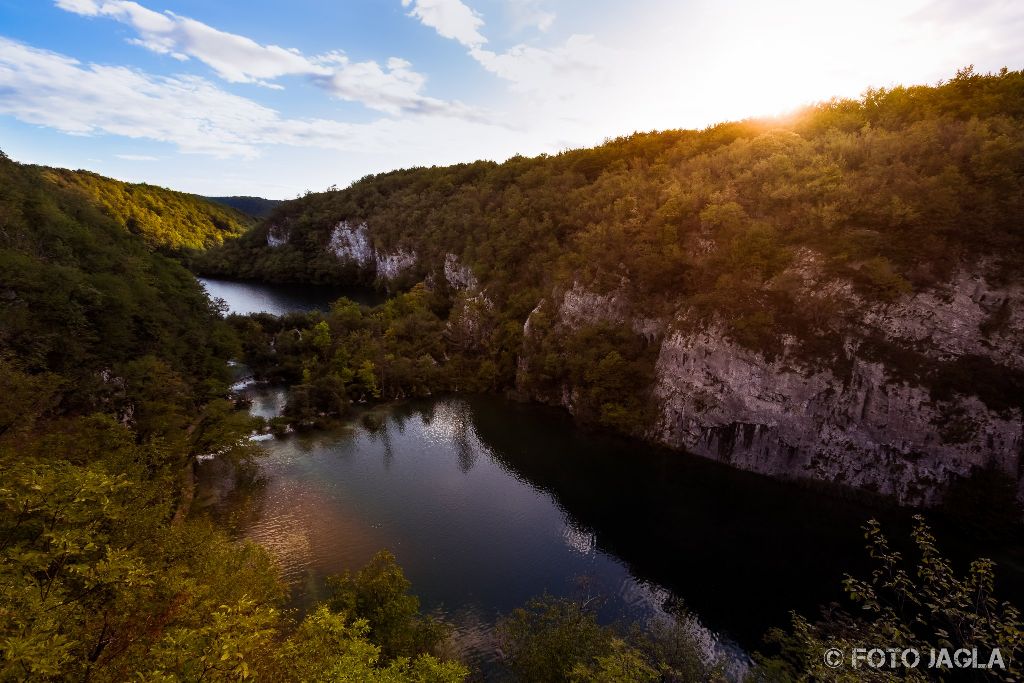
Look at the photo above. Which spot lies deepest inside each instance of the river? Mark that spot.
(486, 503)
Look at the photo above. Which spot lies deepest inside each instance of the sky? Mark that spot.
(272, 98)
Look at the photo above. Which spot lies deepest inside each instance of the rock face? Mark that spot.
(277, 236)
(969, 316)
(854, 422)
(784, 419)
(352, 243)
(457, 275)
(580, 306)
(390, 266)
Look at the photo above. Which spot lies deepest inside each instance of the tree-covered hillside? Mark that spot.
(164, 218)
(113, 379)
(257, 207)
(895, 189)
(892, 193)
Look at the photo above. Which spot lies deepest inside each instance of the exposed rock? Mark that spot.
(469, 323)
(854, 422)
(390, 266)
(582, 307)
(781, 418)
(277, 236)
(968, 316)
(528, 325)
(352, 243)
(457, 275)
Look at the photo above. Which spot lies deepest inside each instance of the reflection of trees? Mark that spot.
(463, 442)
(383, 434)
(741, 549)
(233, 494)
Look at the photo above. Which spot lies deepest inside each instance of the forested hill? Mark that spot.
(893, 190)
(164, 218)
(257, 207)
(113, 379)
(859, 258)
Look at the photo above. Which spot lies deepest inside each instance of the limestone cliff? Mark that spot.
(352, 243)
(856, 421)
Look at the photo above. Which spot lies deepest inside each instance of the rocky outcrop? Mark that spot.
(579, 306)
(854, 422)
(277, 236)
(470, 322)
(352, 243)
(785, 419)
(390, 266)
(457, 275)
(969, 316)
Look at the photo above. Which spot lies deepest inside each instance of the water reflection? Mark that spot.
(487, 503)
(258, 297)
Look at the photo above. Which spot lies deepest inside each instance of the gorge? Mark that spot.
(670, 376)
(834, 296)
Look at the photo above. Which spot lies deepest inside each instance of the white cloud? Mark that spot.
(561, 81)
(394, 88)
(581, 61)
(530, 13)
(137, 157)
(87, 7)
(49, 89)
(450, 18)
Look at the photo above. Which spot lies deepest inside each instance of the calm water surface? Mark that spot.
(256, 297)
(487, 503)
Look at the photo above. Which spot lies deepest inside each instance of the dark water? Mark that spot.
(487, 503)
(256, 297)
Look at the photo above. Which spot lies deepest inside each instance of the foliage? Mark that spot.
(928, 607)
(164, 218)
(257, 207)
(86, 301)
(356, 354)
(329, 647)
(379, 595)
(732, 226)
(113, 378)
(557, 639)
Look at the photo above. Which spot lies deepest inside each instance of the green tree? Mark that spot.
(925, 607)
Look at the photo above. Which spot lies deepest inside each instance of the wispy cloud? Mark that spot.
(530, 13)
(581, 60)
(49, 89)
(393, 88)
(137, 157)
(450, 18)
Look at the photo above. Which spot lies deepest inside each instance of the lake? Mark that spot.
(486, 502)
(258, 297)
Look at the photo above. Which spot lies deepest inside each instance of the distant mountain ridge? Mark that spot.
(257, 207)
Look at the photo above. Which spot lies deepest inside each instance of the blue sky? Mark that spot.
(272, 98)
